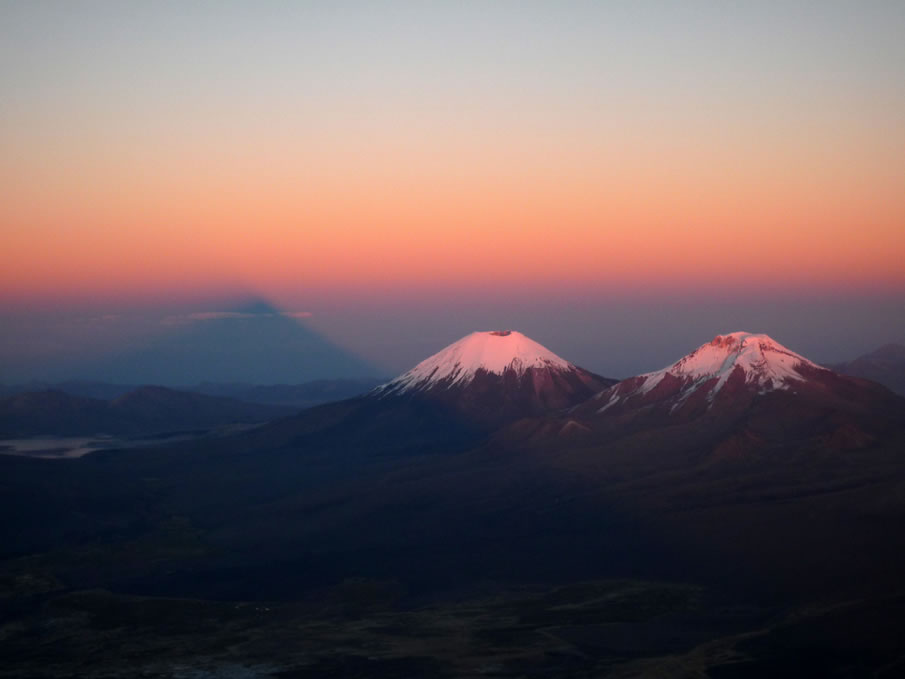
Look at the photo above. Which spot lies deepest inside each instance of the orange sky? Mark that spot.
(452, 215)
(403, 180)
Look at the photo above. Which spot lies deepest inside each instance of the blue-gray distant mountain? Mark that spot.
(145, 410)
(304, 395)
(885, 365)
(104, 391)
(254, 343)
(296, 396)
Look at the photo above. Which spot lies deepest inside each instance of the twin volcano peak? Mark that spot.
(765, 362)
(755, 362)
(492, 352)
(485, 369)
(497, 376)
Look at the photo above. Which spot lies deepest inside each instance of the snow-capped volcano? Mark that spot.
(764, 362)
(497, 373)
(495, 351)
(739, 394)
(740, 360)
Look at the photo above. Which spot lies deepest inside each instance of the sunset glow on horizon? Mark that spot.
(399, 146)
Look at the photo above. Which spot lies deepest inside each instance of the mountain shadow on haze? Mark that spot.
(253, 343)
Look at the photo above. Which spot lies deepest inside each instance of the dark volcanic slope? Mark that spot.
(769, 463)
(737, 394)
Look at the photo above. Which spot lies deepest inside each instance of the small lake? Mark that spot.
(67, 447)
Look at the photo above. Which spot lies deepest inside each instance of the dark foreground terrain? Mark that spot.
(247, 562)
(370, 628)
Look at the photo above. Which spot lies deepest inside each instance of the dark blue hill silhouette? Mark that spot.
(253, 343)
(144, 410)
(885, 365)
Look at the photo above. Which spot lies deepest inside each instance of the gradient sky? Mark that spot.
(508, 161)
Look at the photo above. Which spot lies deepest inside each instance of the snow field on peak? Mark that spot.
(490, 351)
(765, 363)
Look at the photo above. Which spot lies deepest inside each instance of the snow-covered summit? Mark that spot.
(757, 359)
(765, 362)
(496, 352)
